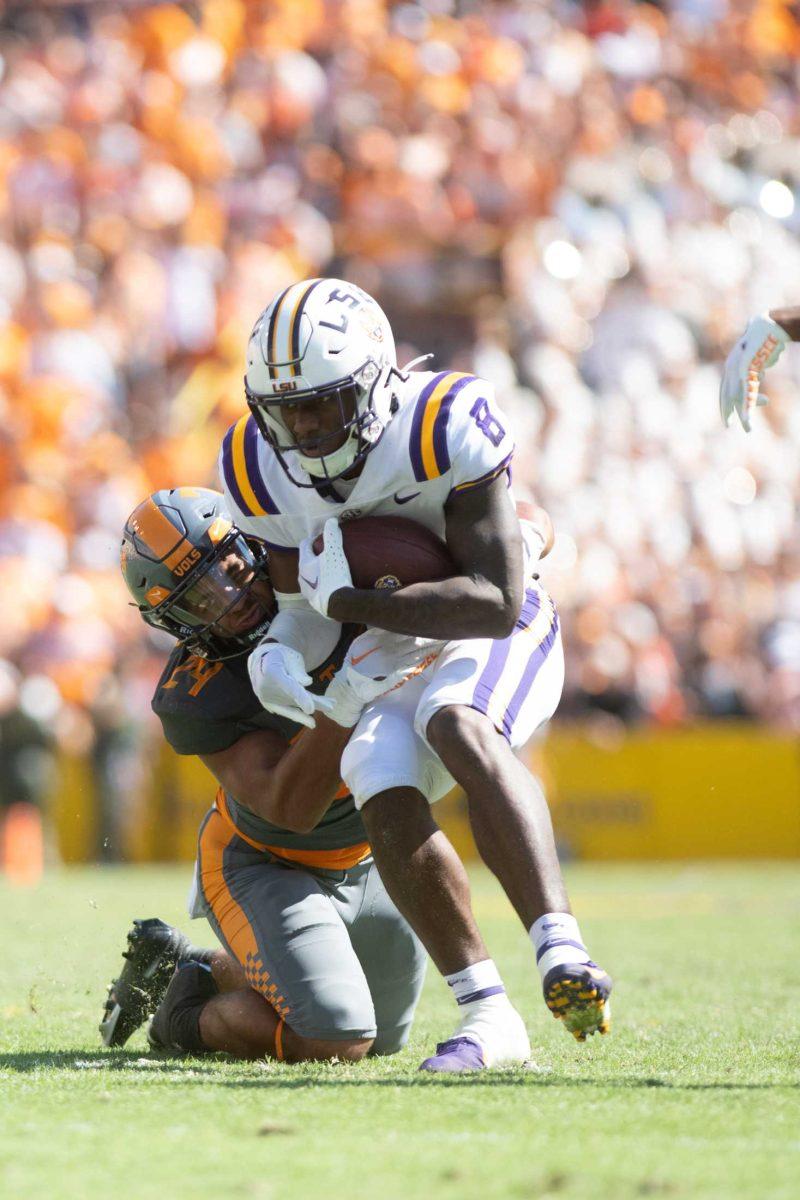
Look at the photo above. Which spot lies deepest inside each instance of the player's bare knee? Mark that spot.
(354, 1051)
(460, 735)
(395, 817)
(239, 1023)
(300, 1049)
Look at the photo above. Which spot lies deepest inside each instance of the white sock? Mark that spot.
(498, 1029)
(557, 939)
(477, 982)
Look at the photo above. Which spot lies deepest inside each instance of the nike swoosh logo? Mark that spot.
(312, 583)
(355, 661)
(405, 499)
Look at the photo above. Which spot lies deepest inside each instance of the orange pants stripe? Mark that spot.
(215, 837)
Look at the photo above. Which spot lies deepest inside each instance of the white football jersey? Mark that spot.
(447, 436)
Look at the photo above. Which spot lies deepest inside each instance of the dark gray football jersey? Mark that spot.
(205, 707)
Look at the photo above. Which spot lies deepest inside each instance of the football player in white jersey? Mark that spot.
(759, 347)
(335, 431)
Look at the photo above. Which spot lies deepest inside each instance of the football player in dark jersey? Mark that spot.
(317, 962)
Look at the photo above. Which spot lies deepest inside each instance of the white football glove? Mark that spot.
(759, 347)
(280, 680)
(376, 663)
(323, 574)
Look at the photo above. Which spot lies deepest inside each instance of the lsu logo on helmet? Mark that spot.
(321, 340)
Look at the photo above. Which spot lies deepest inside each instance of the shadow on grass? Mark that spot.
(206, 1071)
(27, 1061)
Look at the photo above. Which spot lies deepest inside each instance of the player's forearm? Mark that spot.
(788, 319)
(459, 607)
(291, 788)
(304, 783)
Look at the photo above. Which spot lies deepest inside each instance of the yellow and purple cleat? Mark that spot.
(579, 995)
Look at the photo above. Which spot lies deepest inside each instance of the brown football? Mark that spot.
(392, 552)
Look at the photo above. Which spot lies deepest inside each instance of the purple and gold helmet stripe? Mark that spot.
(295, 323)
(241, 470)
(272, 333)
(430, 456)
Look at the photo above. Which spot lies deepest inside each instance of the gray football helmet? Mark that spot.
(192, 573)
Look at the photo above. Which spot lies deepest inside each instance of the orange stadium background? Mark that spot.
(582, 201)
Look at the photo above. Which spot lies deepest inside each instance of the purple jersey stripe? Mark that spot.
(251, 440)
(440, 450)
(415, 441)
(505, 465)
(498, 656)
(483, 993)
(228, 472)
(529, 610)
(535, 661)
(540, 953)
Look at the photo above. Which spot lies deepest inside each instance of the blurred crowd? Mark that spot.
(582, 202)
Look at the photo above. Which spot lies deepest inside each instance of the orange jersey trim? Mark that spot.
(331, 860)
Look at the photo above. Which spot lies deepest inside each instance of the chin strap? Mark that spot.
(403, 372)
(326, 490)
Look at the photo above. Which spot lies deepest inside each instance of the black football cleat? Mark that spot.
(154, 950)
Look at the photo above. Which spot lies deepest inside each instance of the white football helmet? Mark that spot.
(321, 339)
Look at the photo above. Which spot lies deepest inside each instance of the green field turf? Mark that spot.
(695, 1094)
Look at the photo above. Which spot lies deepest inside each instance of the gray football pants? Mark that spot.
(327, 948)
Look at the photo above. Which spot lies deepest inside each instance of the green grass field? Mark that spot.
(695, 1094)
